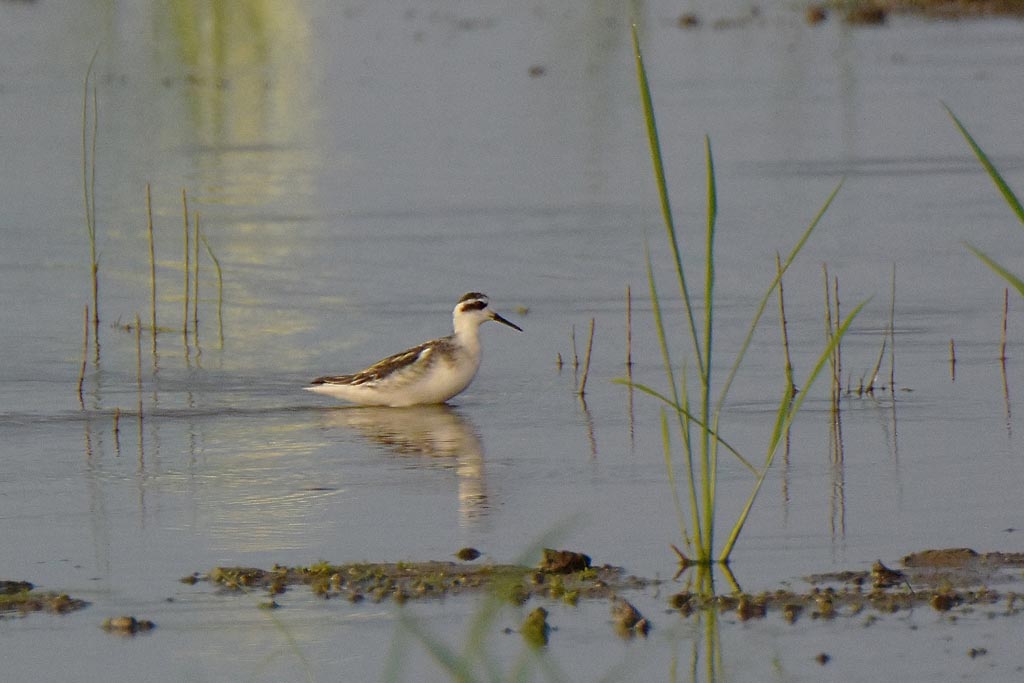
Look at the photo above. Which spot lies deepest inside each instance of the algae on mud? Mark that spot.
(942, 579)
(21, 598)
(561, 575)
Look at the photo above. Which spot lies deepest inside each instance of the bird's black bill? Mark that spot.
(499, 319)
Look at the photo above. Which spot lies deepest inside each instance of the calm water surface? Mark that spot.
(357, 167)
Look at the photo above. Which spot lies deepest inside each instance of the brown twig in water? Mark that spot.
(629, 333)
(838, 324)
(138, 360)
(195, 280)
(575, 356)
(152, 265)
(1006, 315)
(952, 360)
(833, 360)
(586, 360)
(85, 354)
(185, 263)
(220, 289)
(89, 190)
(785, 334)
(892, 332)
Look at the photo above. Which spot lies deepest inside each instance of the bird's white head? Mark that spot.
(472, 311)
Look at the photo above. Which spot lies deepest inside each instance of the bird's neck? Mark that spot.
(468, 335)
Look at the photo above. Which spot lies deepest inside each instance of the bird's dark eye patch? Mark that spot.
(474, 305)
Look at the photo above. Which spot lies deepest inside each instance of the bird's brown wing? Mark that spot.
(382, 369)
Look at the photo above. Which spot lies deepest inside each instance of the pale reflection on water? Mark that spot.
(438, 434)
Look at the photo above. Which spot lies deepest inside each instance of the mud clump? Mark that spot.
(21, 598)
(561, 575)
(943, 579)
(127, 625)
(628, 620)
(535, 629)
(563, 561)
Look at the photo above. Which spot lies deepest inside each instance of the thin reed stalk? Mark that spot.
(873, 375)
(85, 354)
(586, 361)
(220, 288)
(575, 355)
(89, 187)
(892, 333)
(185, 263)
(788, 368)
(952, 360)
(195, 279)
(1006, 315)
(116, 426)
(152, 265)
(138, 362)
(629, 333)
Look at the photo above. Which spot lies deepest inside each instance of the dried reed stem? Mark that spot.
(138, 360)
(892, 332)
(1006, 315)
(952, 360)
(785, 333)
(85, 354)
(152, 264)
(586, 360)
(195, 280)
(838, 322)
(833, 361)
(185, 262)
(89, 189)
(629, 334)
(575, 356)
(220, 287)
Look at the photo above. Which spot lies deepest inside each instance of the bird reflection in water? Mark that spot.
(429, 431)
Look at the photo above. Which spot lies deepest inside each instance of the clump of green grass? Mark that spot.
(1008, 196)
(690, 396)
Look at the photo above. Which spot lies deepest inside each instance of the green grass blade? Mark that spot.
(1017, 283)
(662, 185)
(667, 443)
(709, 447)
(993, 173)
(787, 412)
(685, 412)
